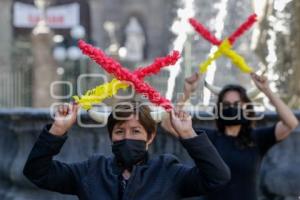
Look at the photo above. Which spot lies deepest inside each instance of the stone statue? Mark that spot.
(135, 40)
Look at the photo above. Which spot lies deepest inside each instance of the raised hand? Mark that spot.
(182, 124)
(261, 82)
(65, 117)
(191, 83)
(190, 86)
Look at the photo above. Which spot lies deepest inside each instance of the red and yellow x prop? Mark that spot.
(123, 75)
(225, 46)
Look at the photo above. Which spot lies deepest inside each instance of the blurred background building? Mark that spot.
(136, 32)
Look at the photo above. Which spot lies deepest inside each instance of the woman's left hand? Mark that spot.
(191, 83)
(182, 124)
(261, 82)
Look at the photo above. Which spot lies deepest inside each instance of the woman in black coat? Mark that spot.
(240, 144)
(130, 173)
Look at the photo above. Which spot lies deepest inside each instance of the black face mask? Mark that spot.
(232, 116)
(129, 152)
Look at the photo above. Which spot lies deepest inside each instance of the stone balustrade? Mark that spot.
(19, 128)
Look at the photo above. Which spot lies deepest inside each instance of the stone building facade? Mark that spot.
(16, 59)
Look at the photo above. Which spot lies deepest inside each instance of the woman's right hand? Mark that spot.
(65, 117)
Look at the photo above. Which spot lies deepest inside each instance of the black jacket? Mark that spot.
(97, 178)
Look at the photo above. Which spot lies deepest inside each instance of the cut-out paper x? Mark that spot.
(225, 45)
(123, 75)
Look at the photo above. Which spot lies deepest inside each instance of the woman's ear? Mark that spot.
(150, 140)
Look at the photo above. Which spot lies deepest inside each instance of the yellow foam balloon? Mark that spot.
(225, 49)
(100, 93)
(203, 67)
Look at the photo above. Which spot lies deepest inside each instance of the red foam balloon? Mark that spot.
(243, 28)
(123, 74)
(202, 30)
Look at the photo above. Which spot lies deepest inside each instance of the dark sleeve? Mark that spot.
(211, 133)
(46, 173)
(210, 172)
(264, 138)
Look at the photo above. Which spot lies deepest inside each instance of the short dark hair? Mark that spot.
(123, 110)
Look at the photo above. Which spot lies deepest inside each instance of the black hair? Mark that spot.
(243, 139)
